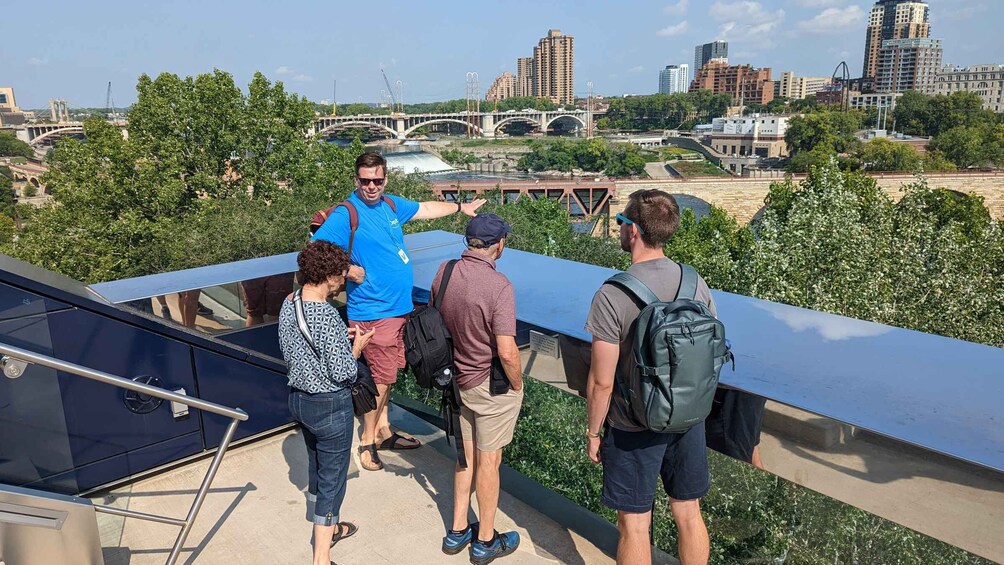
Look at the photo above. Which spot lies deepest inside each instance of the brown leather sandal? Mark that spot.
(375, 464)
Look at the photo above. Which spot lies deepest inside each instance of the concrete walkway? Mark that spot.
(256, 511)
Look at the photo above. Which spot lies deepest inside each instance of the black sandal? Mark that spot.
(392, 444)
(375, 463)
(348, 527)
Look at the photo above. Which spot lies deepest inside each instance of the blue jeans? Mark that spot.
(326, 421)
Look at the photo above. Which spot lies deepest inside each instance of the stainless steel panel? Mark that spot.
(38, 528)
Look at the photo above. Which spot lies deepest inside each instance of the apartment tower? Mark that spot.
(553, 73)
(892, 19)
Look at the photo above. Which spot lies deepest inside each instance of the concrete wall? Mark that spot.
(743, 197)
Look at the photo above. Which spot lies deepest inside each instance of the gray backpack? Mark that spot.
(679, 349)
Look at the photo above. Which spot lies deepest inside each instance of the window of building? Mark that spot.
(3, 98)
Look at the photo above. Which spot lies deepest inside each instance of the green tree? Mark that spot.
(962, 145)
(7, 196)
(11, 146)
(714, 245)
(913, 112)
(884, 155)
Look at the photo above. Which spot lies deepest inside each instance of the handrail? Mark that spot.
(13, 355)
(107, 378)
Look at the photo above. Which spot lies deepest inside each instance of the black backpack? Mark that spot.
(428, 349)
(428, 345)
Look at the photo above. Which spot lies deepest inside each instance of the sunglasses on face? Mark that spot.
(374, 182)
(622, 219)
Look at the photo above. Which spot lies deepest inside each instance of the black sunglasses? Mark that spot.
(374, 182)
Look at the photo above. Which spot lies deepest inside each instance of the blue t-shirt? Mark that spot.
(379, 248)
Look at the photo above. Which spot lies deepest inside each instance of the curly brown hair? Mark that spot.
(319, 260)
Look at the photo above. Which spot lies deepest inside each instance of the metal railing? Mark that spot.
(14, 362)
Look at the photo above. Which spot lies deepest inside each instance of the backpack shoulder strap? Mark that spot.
(442, 284)
(634, 287)
(390, 202)
(353, 222)
(688, 282)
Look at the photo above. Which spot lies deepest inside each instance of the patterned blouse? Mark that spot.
(306, 371)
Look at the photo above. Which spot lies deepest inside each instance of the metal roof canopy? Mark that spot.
(941, 394)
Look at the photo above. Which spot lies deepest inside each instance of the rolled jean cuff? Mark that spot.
(311, 497)
(324, 520)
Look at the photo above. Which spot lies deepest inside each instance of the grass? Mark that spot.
(673, 152)
(752, 516)
(699, 169)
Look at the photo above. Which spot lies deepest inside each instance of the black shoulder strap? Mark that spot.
(301, 323)
(438, 301)
(688, 282)
(634, 287)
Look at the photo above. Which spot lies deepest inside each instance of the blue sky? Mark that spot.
(71, 49)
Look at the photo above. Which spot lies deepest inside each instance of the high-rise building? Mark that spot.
(524, 76)
(553, 73)
(909, 64)
(503, 87)
(708, 51)
(987, 81)
(742, 82)
(892, 19)
(674, 78)
(795, 87)
(10, 114)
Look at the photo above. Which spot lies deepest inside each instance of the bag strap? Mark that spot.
(688, 282)
(438, 301)
(634, 287)
(301, 323)
(354, 217)
(353, 222)
(449, 411)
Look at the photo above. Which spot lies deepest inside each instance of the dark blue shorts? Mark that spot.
(633, 460)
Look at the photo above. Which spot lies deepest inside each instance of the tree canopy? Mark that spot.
(11, 146)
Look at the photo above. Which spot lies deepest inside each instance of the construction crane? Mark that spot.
(395, 109)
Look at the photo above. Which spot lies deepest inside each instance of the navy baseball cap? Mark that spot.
(489, 228)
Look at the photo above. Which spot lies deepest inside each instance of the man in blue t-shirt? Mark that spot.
(379, 285)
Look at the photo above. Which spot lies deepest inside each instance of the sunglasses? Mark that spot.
(622, 219)
(374, 182)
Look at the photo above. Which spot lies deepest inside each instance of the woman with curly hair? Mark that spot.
(321, 356)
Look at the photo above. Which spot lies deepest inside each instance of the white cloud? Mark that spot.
(817, 3)
(636, 69)
(833, 20)
(38, 61)
(747, 20)
(670, 31)
(284, 71)
(302, 78)
(829, 326)
(678, 9)
(960, 14)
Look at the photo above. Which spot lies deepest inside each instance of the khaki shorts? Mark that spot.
(489, 420)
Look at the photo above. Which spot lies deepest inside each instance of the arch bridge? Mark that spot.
(485, 124)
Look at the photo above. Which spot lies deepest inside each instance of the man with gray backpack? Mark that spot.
(656, 353)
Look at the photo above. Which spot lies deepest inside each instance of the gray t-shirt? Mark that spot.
(612, 315)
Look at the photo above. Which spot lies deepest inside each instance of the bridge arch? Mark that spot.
(355, 123)
(562, 117)
(412, 129)
(55, 133)
(514, 119)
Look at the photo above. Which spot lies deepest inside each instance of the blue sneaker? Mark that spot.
(503, 544)
(455, 543)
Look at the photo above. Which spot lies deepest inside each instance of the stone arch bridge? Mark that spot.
(743, 198)
(485, 124)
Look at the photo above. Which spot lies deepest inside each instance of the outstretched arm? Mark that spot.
(433, 209)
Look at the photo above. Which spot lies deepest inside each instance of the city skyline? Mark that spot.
(620, 49)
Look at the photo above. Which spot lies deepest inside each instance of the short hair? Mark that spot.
(370, 159)
(656, 213)
(319, 260)
(475, 243)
